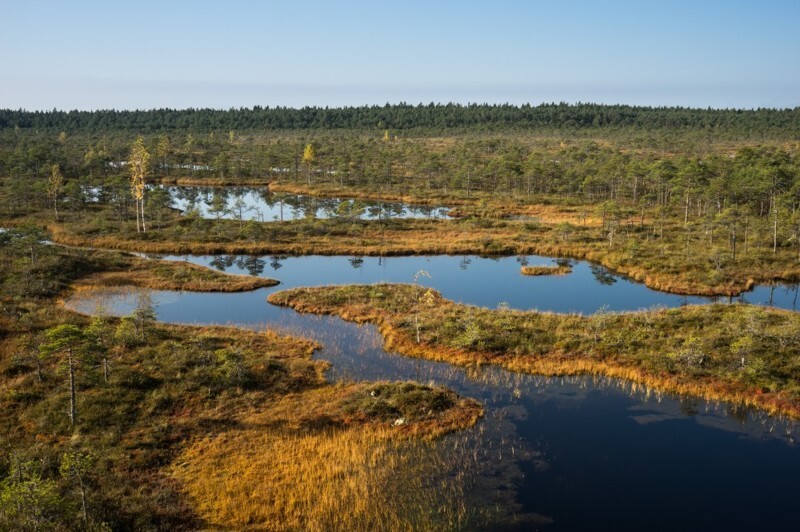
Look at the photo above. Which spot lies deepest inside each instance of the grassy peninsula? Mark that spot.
(738, 353)
(165, 415)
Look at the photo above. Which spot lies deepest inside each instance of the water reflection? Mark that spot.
(257, 203)
(488, 281)
(602, 275)
(356, 353)
(575, 450)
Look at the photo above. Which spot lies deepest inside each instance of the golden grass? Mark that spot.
(303, 464)
(300, 453)
(480, 205)
(546, 214)
(555, 269)
(211, 181)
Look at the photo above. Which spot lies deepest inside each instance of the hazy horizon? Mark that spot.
(414, 104)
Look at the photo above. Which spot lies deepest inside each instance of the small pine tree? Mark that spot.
(70, 341)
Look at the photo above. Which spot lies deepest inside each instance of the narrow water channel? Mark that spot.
(588, 453)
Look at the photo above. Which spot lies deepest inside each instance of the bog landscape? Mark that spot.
(426, 317)
(420, 266)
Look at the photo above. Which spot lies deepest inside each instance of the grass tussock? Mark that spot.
(555, 269)
(743, 354)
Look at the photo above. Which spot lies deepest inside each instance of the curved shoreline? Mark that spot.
(557, 363)
(145, 277)
(661, 282)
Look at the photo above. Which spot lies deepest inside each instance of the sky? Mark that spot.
(220, 54)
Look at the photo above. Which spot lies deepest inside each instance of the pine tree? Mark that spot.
(71, 341)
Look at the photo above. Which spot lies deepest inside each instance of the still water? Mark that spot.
(483, 281)
(257, 203)
(586, 453)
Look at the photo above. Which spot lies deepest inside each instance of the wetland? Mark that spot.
(551, 443)
(551, 325)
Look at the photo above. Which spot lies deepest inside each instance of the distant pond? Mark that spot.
(259, 204)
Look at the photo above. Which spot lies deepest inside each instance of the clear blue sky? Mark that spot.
(144, 54)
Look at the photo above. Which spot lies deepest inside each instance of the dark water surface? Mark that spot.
(589, 453)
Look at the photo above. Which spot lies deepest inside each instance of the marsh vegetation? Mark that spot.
(693, 202)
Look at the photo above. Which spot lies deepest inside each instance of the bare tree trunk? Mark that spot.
(687, 243)
(774, 226)
(746, 234)
(73, 410)
(144, 228)
(83, 500)
(686, 211)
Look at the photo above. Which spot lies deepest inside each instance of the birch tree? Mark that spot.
(55, 186)
(308, 161)
(139, 163)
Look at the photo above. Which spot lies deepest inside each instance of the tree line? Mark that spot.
(754, 123)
